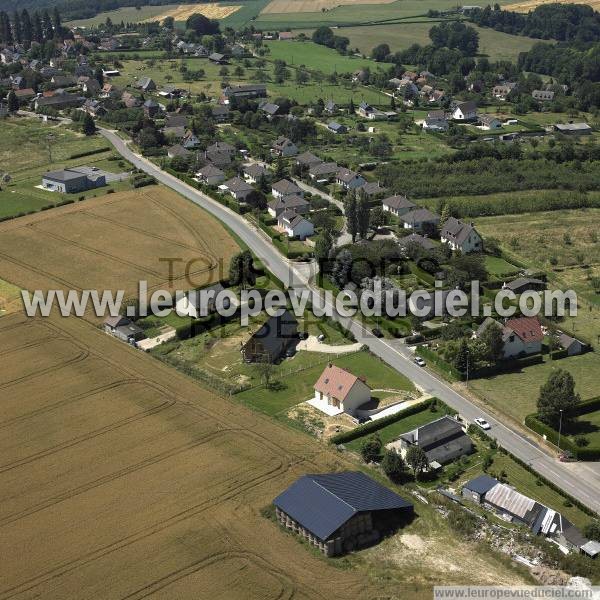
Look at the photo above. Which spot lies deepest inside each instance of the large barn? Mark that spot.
(338, 512)
(271, 342)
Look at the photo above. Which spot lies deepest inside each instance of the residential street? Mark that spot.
(580, 480)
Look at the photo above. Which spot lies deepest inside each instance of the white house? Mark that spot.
(465, 111)
(296, 204)
(285, 188)
(420, 219)
(521, 336)
(398, 205)
(338, 391)
(461, 236)
(197, 303)
(210, 175)
(295, 225)
(487, 122)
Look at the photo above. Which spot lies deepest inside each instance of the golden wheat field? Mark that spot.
(183, 11)
(532, 4)
(300, 6)
(111, 243)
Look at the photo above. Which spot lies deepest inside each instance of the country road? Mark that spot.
(580, 480)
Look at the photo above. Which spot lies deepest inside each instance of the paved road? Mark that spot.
(579, 480)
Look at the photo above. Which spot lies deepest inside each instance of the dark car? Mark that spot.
(377, 332)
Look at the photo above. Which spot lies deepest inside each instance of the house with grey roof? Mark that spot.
(476, 489)
(210, 175)
(307, 159)
(124, 329)
(572, 345)
(323, 172)
(178, 150)
(71, 181)
(420, 219)
(258, 90)
(237, 188)
(336, 127)
(339, 512)
(295, 225)
(461, 236)
(151, 108)
(285, 188)
(487, 122)
(283, 146)
(269, 109)
(543, 95)
(465, 111)
(415, 238)
(442, 440)
(372, 189)
(348, 179)
(398, 205)
(525, 284)
(573, 128)
(296, 204)
(146, 84)
(254, 172)
(436, 121)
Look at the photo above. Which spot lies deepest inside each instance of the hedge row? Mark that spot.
(89, 152)
(372, 426)
(433, 357)
(507, 365)
(586, 453)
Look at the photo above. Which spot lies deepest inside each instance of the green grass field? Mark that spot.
(316, 57)
(30, 148)
(299, 387)
(399, 36)
(497, 267)
(515, 394)
(587, 425)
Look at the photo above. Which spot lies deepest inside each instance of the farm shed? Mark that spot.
(338, 512)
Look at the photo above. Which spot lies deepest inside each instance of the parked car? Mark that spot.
(377, 332)
(483, 423)
(321, 337)
(363, 420)
(419, 361)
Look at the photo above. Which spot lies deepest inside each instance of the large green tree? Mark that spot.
(393, 465)
(370, 449)
(556, 395)
(417, 460)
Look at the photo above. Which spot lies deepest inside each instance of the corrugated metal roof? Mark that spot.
(510, 500)
(323, 503)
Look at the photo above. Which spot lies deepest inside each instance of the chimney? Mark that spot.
(330, 365)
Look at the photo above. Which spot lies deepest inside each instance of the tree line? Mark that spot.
(23, 28)
(561, 22)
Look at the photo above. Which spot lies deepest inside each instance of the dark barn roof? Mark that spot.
(481, 484)
(276, 331)
(323, 503)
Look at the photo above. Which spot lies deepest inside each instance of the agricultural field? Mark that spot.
(302, 6)
(10, 298)
(347, 14)
(30, 148)
(494, 44)
(90, 245)
(529, 5)
(144, 14)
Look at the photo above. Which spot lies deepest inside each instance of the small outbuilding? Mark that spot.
(477, 488)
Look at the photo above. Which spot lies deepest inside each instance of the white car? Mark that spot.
(483, 423)
(419, 361)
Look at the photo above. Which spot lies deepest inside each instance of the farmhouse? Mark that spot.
(221, 112)
(296, 204)
(488, 122)
(295, 225)
(283, 146)
(442, 440)
(461, 236)
(420, 219)
(146, 84)
(338, 390)
(123, 329)
(521, 336)
(465, 111)
(286, 35)
(58, 101)
(70, 181)
(338, 512)
(398, 205)
(348, 179)
(502, 92)
(271, 342)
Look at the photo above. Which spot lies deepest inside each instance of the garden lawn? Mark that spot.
(297, 386)
(498, 267)
(515, 394)
(392, 432)
(587, 425)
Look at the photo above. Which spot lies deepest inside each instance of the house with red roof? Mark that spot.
(522, 336)
(338, 391)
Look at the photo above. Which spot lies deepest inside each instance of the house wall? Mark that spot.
(515, 347)
(471, 495)
(303, 230)
(359, 394)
